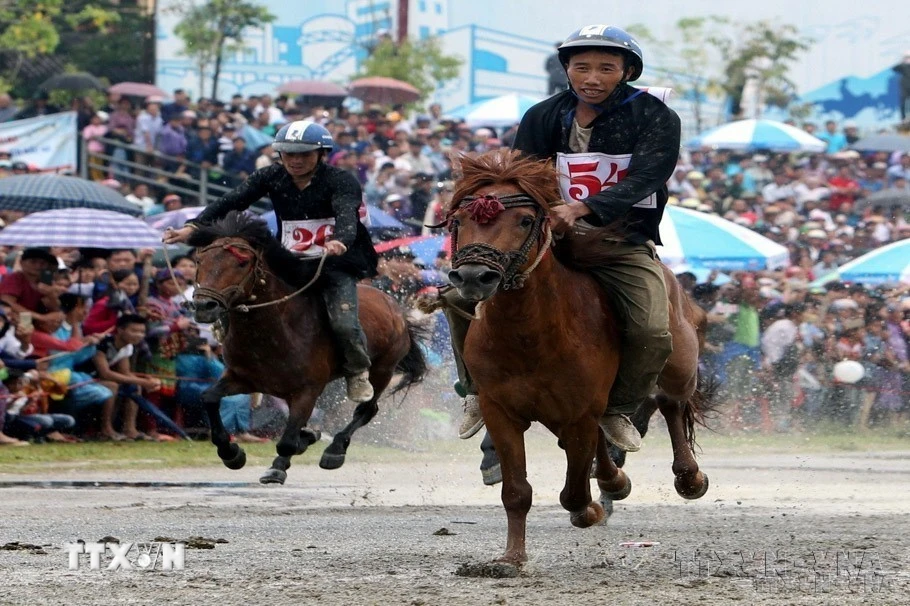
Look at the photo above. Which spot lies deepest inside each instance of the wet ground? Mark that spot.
(823, 528)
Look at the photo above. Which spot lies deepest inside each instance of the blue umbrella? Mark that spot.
(34, 193)
(705, 240)
(758, 135)
(499, 111)
(889, 263)
(255, 138)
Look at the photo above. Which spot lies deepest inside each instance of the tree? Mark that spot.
(760, 53)
(214, 28)
(31, 28)
(421, 64)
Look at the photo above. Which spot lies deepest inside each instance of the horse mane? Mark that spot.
(537, 178)
(283, 263)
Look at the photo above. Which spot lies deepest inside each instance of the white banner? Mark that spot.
(47, 143)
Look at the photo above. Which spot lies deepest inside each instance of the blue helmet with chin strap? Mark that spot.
(302, 136)
(604, 37)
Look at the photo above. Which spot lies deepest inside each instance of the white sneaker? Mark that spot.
(472, 420)
(359, 387)
(620, 432)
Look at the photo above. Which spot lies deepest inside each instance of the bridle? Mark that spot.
(484, 209)
(232, 297)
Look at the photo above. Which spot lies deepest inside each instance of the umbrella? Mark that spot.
(889, 263)
(885, 198)
(498, 111)
(883, 143)
(81, 228)
(174, 218)
(386, 91)
(75, 81)
(425, 248)
(704, 240)
(313, 88)
(758, 135)
(254, 137)
(137, 89)
(34, 193)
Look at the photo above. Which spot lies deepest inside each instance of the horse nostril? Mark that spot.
(206, 305)
(489, 277)
(455, 278)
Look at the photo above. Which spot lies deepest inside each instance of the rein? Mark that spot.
(226, 297)
(484, 209)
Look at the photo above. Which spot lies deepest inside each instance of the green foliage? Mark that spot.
(31, 28)
(420, 63)
(763, 51)
(214, 28)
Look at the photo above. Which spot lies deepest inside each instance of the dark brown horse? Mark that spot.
(545, 344)
(277, 339)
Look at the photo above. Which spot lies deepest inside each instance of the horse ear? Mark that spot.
(240, 255)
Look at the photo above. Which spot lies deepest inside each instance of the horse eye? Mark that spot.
(454, 224)
(527, 221)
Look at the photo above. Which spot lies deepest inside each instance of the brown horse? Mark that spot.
(277, 340)
(544, 345)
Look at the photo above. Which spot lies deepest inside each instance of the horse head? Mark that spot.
(230, 258)
(499, 222)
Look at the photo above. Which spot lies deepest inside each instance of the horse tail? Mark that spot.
(701, 406)
(413, 366)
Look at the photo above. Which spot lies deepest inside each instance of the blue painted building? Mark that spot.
(847, 72)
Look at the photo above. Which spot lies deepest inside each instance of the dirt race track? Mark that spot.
(773, 529)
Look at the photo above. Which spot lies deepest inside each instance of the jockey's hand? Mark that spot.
(334, 248)
(563, 217)
(176, 236)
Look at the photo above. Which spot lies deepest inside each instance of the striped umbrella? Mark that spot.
(704, 240)
(889, 263)
(34, 193)
(82, 228)
(758, 135)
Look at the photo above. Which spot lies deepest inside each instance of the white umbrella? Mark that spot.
(498, 111)
(82, 228)
(758, 135)
(704, 240)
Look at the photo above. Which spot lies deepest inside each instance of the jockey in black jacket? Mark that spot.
(317, 207)
(614, 147)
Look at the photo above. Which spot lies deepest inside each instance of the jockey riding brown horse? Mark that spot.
(277, 339)
(544, 342)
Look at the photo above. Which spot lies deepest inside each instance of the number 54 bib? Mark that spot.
(583, 175)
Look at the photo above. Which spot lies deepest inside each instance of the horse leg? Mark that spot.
(508, 437)
(640, 419)
(333, 456)
(690, 482)
(230, 453)
(580, 443)
(293, 440)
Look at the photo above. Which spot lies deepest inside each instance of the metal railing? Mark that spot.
(192, 184)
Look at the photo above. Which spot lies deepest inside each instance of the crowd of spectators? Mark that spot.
(774, 337)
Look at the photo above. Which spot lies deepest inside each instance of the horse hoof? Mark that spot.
(331, 461)
(618, 495)
(273, 476)
(492, 476)
(237, 461)
(592, 514)
(689, 493)
(607, 503)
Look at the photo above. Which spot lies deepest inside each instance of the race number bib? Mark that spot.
(307, 238)
(583, 175)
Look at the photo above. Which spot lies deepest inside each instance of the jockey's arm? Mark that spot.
(240, 198)
(654, 159)
(346, 202)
